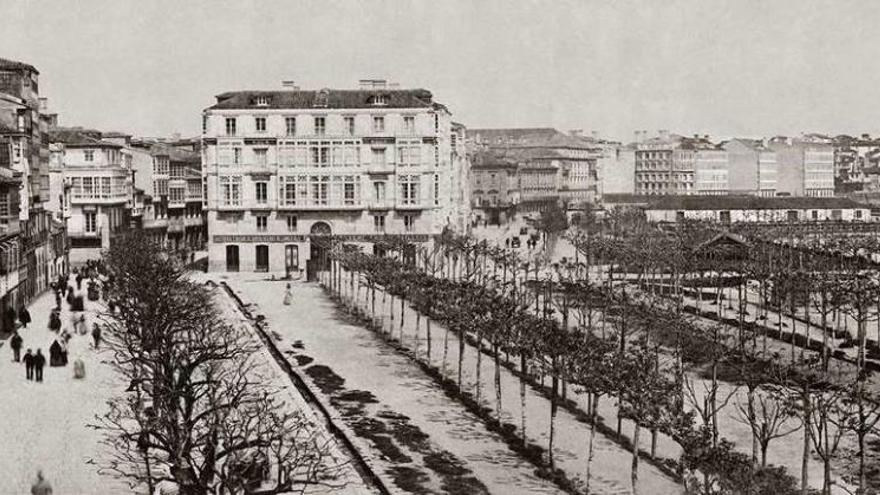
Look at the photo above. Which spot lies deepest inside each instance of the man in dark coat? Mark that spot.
(15, 343)
(79, 281)
(96, 334)
(39, 362)
(24, 316)
(29, 365)
(55, 358)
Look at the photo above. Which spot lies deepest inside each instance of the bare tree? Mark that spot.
(199, 408)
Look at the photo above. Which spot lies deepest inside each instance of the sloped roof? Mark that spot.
(174, 153)
(8, 64)
(491, 159)
(325, 98)
(750, 203)
(530, 137)
(79, 137)
(628, 198)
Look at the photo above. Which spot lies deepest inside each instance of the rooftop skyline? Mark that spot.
(726, 68)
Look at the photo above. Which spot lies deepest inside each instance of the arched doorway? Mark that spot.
(319, 236)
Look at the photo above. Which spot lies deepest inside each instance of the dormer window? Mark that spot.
(322, 98)
(262, 101)
(379, 100)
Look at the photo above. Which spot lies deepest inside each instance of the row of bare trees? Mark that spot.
(199, 410)
(578, 333)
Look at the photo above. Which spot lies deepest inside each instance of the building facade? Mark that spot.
(752, 209)
(96, 175)
(284, 168)
(28, 235)
(575, 160)
(494, 184)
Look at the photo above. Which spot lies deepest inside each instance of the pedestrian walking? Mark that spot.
(55, 354)
(15, 343)
(41, 486)
(81, 324)
(288, 296)
(55, 320)
(39, 362)
(79, 281)
(79, 369)
(24, 316)
(29, 365)
(96, 334)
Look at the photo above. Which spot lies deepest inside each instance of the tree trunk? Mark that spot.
(752, 421)
(635, 460)
(498, 384)
(402, 307)
(428, 335)
(590, 450)
(805, 460)
(553, 410)
(479, 390)
(523, 368)
(418, 323)
(461, 338)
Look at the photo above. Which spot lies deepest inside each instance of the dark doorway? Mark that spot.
(291, 259)
(317, 259)
(232, 258)
(262, 264)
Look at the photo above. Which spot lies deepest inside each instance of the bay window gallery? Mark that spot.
(319, 190)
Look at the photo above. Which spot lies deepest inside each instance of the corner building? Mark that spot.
(284, 167)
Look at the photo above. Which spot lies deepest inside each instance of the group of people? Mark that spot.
(58, 351)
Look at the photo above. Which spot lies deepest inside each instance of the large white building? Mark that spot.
(93, 188)
(283, 167)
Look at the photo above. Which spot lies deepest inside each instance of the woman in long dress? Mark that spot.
(288, 296)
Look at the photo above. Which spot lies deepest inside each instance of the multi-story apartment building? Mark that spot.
(284, 168)
(711, 172)
(575, 158)
(178, 184)
(97, 176)
(666, 164)
(28, 235)
(818, 170)
(805, 167)
(618, 165)
(494, 184)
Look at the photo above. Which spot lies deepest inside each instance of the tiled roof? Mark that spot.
(175, 154)
(78, 136)
(330, 98)
(627, 198)
(491, 158)
(749, 203)
(7, 64)
(537, 137)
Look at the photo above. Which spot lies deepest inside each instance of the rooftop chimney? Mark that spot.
(289, 84)
(44, 104)
(576, 132)
(594, 134)
(637, 136)
(373, 83)
(664, 134)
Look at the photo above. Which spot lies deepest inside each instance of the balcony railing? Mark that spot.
(193, 222)
(176, 225)
(380, 168)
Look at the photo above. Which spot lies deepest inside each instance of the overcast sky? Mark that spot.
(726, 68)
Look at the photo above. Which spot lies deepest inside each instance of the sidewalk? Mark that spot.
(44, 424)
